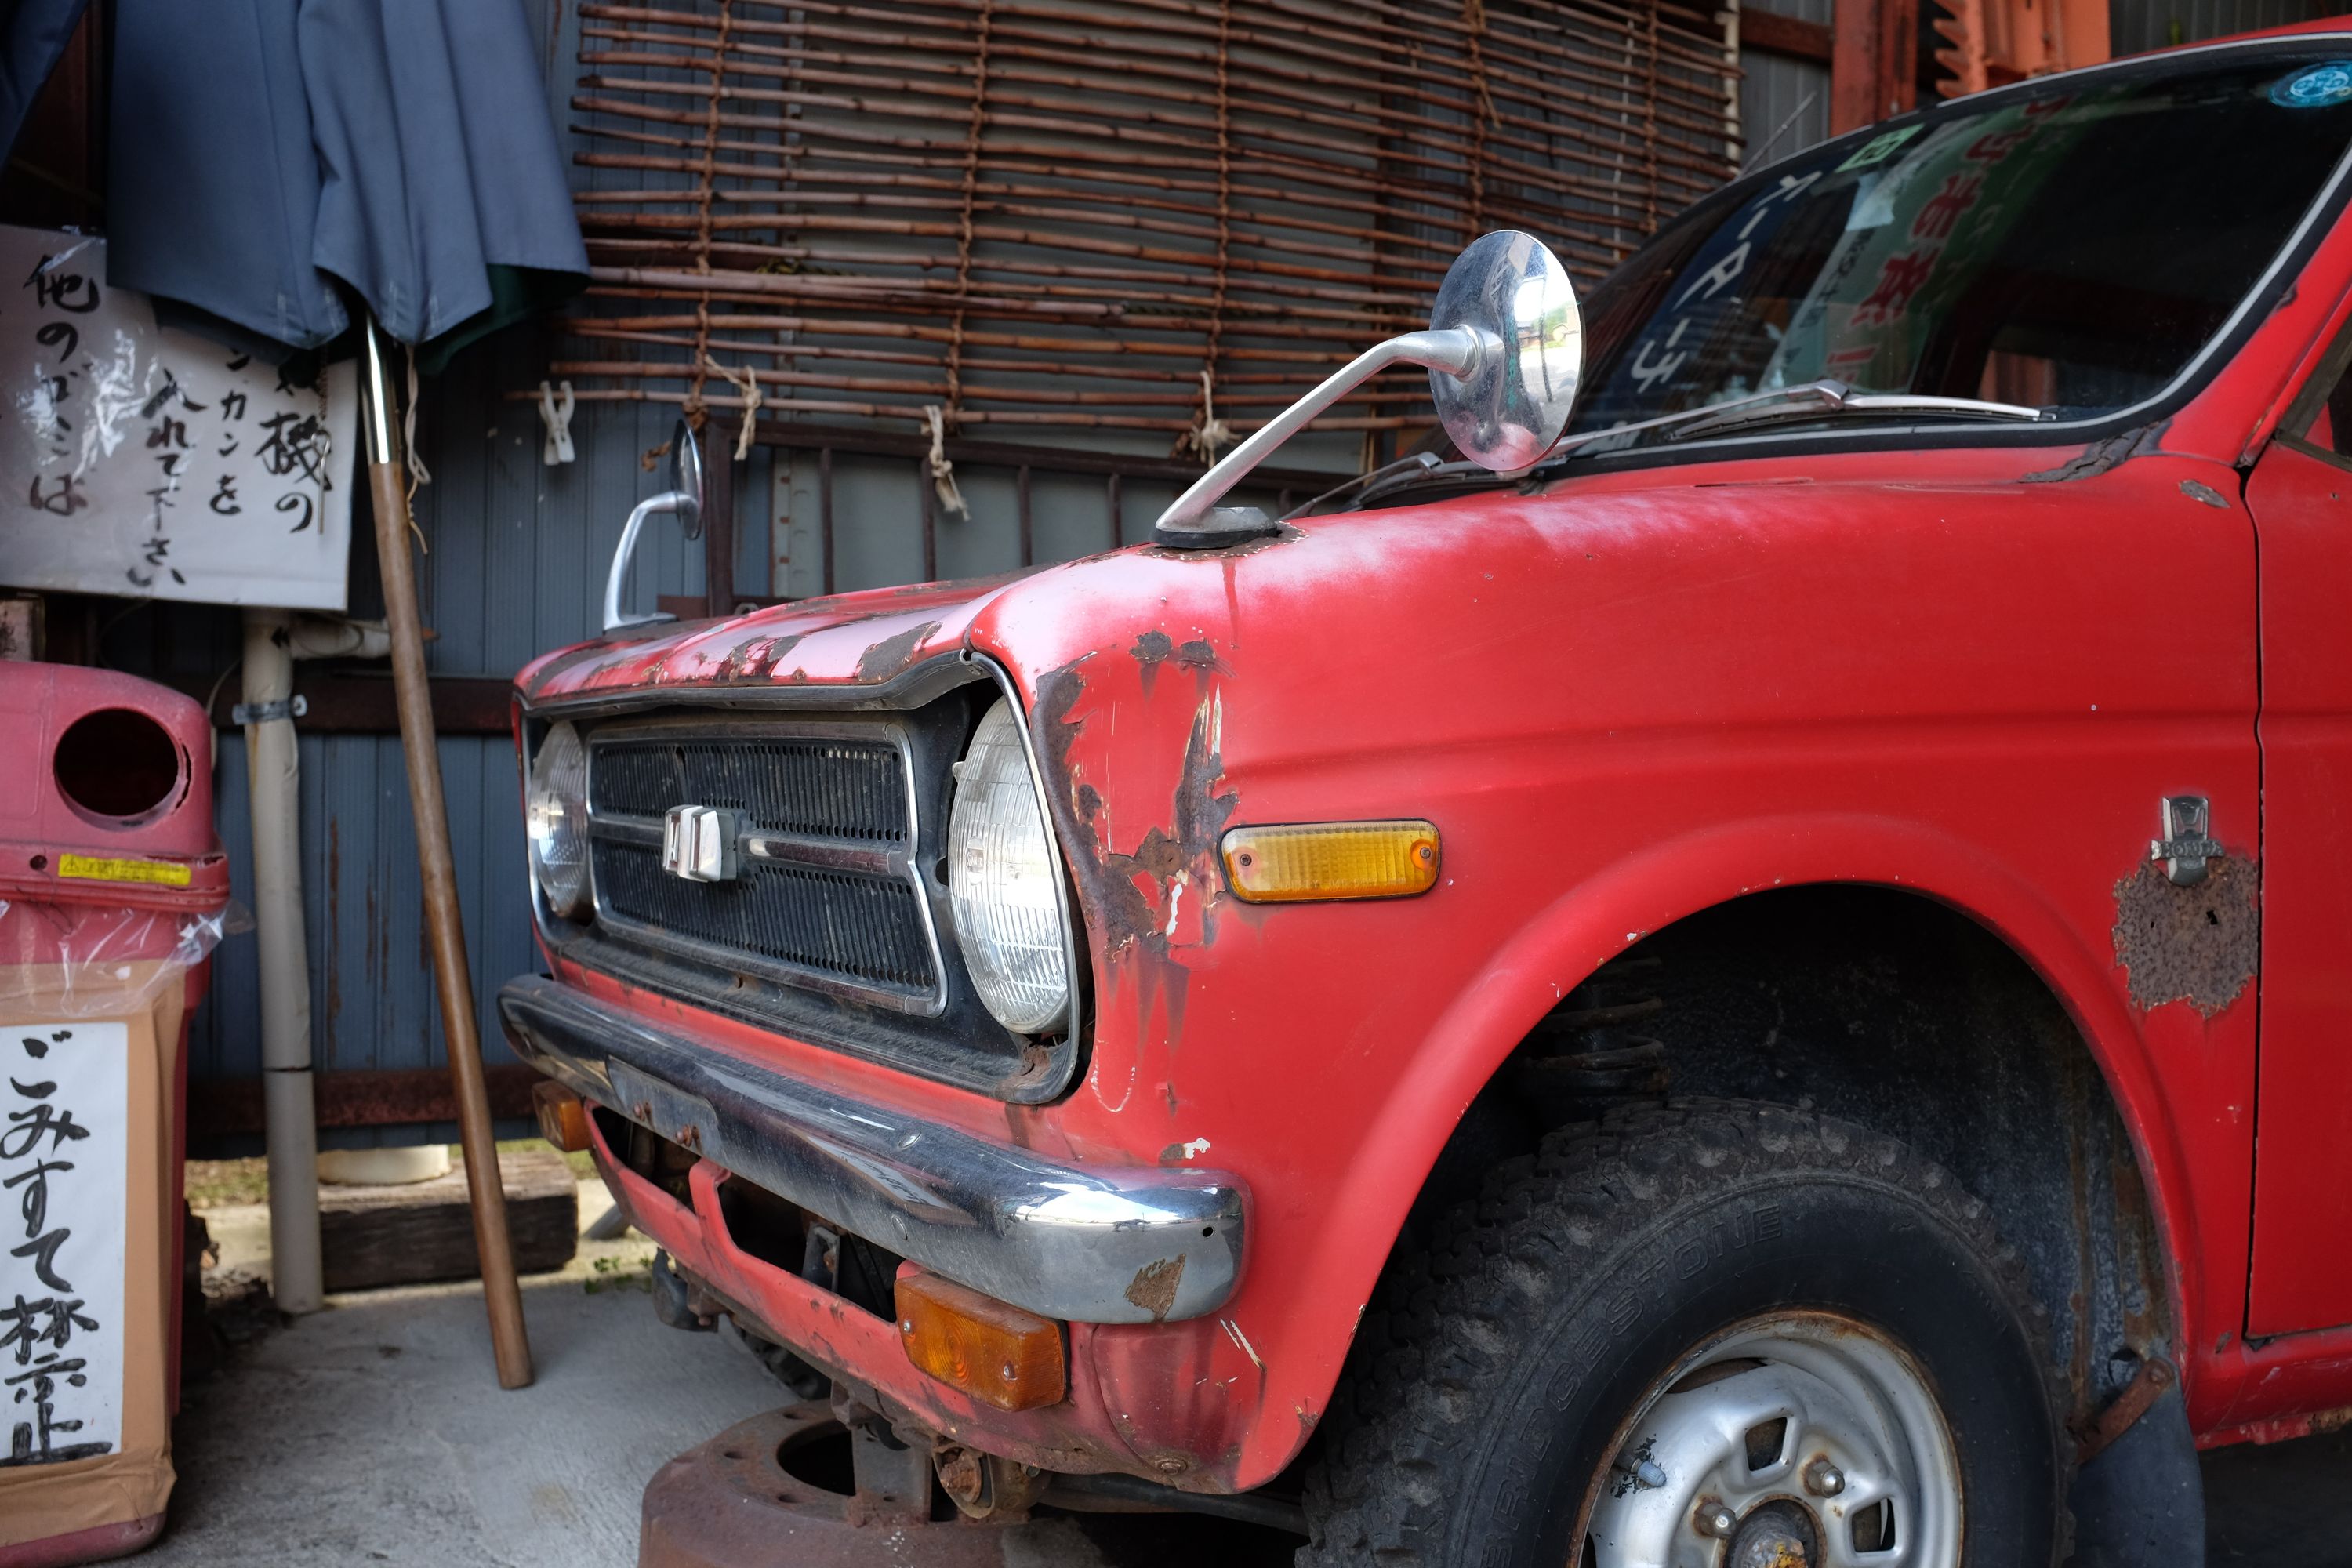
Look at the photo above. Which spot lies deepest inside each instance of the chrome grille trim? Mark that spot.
(851, 855)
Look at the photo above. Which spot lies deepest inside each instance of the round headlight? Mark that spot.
(555, 816)
(1004, 882)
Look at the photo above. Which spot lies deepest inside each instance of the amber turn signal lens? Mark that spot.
(999, 1354)
(1313, 860)
(563, 1117)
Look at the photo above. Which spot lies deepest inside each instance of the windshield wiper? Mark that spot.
(1406, 472)
(1808, 400)
(1413, 463)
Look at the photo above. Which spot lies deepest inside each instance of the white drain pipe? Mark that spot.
(273, 776)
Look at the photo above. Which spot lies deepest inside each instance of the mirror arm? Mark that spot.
(668, 500)
(1454, 350)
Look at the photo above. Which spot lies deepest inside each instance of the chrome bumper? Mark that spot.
(1083, 1244)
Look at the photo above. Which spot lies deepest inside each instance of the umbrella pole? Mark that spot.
(445, 928)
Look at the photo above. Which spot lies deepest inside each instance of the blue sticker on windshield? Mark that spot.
(2315, 87)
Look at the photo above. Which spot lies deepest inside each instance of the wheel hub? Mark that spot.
(1799, 1441)
(1775, 1535)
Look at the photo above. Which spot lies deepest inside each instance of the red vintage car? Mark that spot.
(1695, 986)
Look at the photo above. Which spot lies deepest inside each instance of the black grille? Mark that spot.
(825, 789)
(834, 923)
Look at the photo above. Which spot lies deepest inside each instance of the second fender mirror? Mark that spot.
(1513, 293)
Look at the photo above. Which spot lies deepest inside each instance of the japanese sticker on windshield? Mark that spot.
(1880, 148)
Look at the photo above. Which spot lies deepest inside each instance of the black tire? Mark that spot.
(1489, 1387)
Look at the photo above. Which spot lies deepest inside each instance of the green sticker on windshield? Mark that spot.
(1879, 148)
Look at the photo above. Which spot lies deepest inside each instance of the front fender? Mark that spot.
(1622, 702)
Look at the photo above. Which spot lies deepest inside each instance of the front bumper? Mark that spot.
(1082, 1244)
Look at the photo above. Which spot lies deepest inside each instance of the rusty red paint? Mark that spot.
(1973, 673)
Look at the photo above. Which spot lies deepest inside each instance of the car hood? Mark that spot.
(1596, 565)
(843, 641)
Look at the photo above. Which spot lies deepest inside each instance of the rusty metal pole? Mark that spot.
(445, 927)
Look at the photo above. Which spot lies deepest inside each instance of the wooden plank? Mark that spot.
(1767, 32)
(719, 519)
(374, 1237)
(360, 1097)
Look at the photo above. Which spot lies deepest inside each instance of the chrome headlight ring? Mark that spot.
(555, 823)
(1004, 881)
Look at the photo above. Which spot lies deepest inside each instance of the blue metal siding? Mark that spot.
(1784, 106)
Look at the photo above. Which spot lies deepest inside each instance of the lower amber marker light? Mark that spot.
(1307, 861)
(994, 1351)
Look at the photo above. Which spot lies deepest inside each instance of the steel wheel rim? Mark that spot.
(1803, 1427)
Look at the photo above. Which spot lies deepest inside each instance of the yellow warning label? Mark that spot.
(97, 868)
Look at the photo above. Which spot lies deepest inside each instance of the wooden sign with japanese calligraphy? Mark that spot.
(64, 1159)
(146, 462)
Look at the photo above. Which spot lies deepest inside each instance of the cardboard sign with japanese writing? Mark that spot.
(153, 463)
(64, 1169)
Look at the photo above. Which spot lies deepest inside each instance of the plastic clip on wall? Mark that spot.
(113, 891)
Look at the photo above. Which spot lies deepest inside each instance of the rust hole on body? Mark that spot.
(2198, 945)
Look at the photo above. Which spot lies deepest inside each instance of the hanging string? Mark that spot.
(1473, 21)
(704, 194)
(1650, 124)
(417, 472)
(747, 382)
(964, 227)
(1210, 433)
(942, 471)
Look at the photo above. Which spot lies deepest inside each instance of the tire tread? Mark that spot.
(1437, 1342)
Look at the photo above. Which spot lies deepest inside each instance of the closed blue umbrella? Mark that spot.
(272, 159)
(279, 167)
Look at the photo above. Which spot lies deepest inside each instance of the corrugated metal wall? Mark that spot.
(1784, 104)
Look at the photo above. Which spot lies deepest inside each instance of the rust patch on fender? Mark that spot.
(1197, 655)
(1138, 900)
(1202, 659)
(1153, 1288)
(755, 658)
(1151, 650)
(2198, 945)
(891, 655)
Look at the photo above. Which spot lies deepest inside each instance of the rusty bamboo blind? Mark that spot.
(1023, 217)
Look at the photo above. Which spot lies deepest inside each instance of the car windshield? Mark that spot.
(2070, 249)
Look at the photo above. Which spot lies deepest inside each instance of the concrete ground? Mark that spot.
(374, 1432)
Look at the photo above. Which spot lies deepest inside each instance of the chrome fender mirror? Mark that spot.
(1511, 405)
(683, 500)
(1505, 349)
